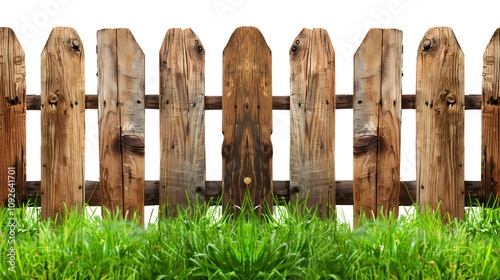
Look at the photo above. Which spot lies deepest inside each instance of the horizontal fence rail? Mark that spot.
(342, 101)
(213, 190)
(247, 104)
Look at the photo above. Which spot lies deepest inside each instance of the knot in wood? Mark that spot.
(75, 45)
(53, 98)
(427, 44)
(12, 101)
(450, 98)
(364, 143)
(226, 150)
(133, 143)
(492, 101)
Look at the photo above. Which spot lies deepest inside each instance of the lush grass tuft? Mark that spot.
(293, 244)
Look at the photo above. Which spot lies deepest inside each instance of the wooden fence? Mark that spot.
(247, 104)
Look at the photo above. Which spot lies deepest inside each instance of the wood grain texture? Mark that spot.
(440, 122)
(121, 72)
(12, 118)
(389, 123)
(377, 123)
(312, 120)
(247, 119)
(490, 147)
(63, 123)
(182, 119)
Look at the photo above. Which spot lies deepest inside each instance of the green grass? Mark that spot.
(292, 245)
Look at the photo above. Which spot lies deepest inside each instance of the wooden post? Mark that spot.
(377, 123)
(312, 120)
(12, 119)
(247, 120)
(490, 171)
(440, 104)
(63, 123)
(121, 72)
(182, 119)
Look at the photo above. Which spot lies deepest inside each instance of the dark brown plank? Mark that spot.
(247, 120)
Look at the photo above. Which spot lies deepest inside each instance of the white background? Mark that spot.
(279, 21)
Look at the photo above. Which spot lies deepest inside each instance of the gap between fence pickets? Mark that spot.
(280, 102)
(213, 190)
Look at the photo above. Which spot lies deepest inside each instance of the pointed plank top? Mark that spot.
(247, 118)
(440, 104)
(312, 120)
(437, 40)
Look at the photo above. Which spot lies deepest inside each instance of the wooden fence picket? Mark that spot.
(247, 120)
(490, 148)
(312, 120)
(440, 122)
(12, 119)
(63, 123)
(121, 79)
(377, 122)
(182, 119)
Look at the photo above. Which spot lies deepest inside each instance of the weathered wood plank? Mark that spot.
(110, 160)
(490, 167)
(440, 122)
(377, 123)
(312, 120)
(121, 71)
(247, 119)
(182, 119)
(367, 95)
(63, 123)
(389, 123)
(12, 119)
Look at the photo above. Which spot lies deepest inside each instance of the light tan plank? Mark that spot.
(121, 66)
(63, 123)
(367, 85)
(377, 123)
(440, 122)
(131, 91)
(312, 120)
(110, 160)
(389, 123)
(182, 119)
